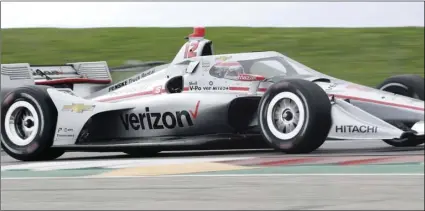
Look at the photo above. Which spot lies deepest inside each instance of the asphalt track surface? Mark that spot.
(218, 192)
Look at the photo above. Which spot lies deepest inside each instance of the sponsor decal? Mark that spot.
(217, 88)
(78, 108)
(65, 133)
(159, 121)
(331, 86)
(157, 90)
(206, 65)
(65, 130)
(248, 77)
(46, 72)
(146, 73)
(222, 58)
(208, 88)
(191, 49)
(193, 86)
(356, 129)
(130, 80)
(118, 85)
(245, 77)
(65, 136)
(68, 92)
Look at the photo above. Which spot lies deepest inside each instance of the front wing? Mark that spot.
(351, 122)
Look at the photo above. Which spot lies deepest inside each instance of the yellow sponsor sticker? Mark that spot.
(222, 58)
(78, 108)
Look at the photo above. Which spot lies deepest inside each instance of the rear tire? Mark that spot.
(409, 86)
(295, 116)
(28, 124)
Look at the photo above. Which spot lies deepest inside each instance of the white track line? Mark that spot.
(210, 175)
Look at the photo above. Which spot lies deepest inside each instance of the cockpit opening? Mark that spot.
(175, 85)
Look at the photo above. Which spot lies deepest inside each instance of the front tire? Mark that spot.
(28, 124)
(409, 86)
(295, 116)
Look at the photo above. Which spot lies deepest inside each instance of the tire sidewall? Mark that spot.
(42, 139)
(413, 83)
(272, 92)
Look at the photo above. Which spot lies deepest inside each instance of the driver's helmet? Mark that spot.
(222, 69)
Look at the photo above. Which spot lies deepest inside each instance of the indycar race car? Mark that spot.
(198, 100)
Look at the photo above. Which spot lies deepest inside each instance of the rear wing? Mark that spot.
(70, 73)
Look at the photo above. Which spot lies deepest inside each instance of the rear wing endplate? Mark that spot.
(79, 72)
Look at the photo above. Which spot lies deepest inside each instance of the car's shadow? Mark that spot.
(326, 151)
(375, 151)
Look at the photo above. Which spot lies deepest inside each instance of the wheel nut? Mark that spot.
(29, 123)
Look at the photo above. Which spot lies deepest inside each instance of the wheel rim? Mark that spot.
(21, 123)
(285, 115)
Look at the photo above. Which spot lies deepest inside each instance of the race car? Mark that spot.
(198, 100)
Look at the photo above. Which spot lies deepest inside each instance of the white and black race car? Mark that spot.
(197, 100)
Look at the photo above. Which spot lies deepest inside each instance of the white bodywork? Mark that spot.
(207, 97)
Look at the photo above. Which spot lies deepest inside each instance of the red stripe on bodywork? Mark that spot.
(72, 81)
(365, 100)
(151, 92)
(262, 89)
(126, 96)
(235, 88)
(377, 102)
(131, 95)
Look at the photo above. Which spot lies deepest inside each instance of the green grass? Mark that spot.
(361, 55)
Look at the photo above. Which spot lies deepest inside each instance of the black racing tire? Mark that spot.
(36, 108)
(138, 152)
(410, 86)
(406, 85)
(314, 116)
